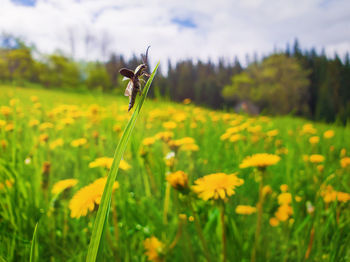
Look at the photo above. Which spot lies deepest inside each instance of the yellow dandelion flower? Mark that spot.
(178, 180)
(153, 249)
(314, 140)
(180, 117)
(235, 138)
(3, 143)
(285, 198)
(78, 142)
(67, 121)
(182, 141)
(297, 198)
(45, 125)
(56, 143)
(272, 133)
(282, 151)
(255, 138)
(62, 185)
(345, 162)
(233, 130)
(149, 141)
(308, 129)
(266, 190)
(260, 160)
(106, 162)
(254, 129)
(316, 158)
(165, 136)
(33, 122)
(124, 165)
(169, 125)
(284, 188)
(94, 109)
(245, 210)
(14, 101)
(343, 152)
(283, 212)
(5, 110)
(274, 222)
(225, 136)
(320, 168)
(9, 127)
(43, 138)
(330, 195)
(117, 128)
(189, 147)
(34, 98)
(217, 186)
(328, 134)
(87, 197)
(2, 123)
(343, 197)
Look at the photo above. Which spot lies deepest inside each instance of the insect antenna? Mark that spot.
(145, 57)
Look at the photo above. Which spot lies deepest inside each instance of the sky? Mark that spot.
(177, 30)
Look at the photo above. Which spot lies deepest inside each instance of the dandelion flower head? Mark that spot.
(217, 186)
(62, 185)
(87, 197)
(245, 210)
(178, 180)
(260, 160)
(153, 248)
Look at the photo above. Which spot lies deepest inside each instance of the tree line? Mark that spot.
(292, 81)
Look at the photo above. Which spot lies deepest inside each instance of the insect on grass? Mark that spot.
(134, 77)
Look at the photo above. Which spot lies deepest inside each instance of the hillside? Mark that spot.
(194, 183)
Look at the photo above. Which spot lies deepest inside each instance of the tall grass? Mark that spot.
(104, 207)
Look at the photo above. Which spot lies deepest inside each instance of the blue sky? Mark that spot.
(181, 29)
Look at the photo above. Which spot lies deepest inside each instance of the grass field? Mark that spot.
(291, 204)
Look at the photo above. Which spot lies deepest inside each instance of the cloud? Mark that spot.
(178, 29)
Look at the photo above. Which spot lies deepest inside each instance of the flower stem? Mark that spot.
(222, 219)
(166, 204)
(200, 232)
(259, 218)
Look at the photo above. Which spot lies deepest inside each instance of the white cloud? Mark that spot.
(225, 28)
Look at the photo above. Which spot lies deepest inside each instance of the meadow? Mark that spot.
(194, 184)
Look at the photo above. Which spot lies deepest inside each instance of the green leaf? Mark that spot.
(33, 245)
(103, 210)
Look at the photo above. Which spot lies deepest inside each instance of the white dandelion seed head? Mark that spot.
(27, 161)
(170, 155)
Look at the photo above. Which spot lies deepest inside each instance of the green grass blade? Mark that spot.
(103, 210)
(33, 245)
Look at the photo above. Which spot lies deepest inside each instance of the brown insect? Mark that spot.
(134, 85)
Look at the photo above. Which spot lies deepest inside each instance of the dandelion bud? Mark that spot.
(178, 180)
(3, 144)
(46, 175)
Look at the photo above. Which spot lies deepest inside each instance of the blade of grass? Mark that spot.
(103, 210)
(33, 245)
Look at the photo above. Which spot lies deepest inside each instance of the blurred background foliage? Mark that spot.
(295, 81)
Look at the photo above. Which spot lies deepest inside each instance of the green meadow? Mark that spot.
(194, 184)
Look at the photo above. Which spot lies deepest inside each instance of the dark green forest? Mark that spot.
(294, 81)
